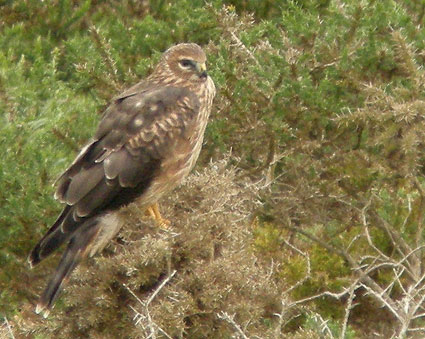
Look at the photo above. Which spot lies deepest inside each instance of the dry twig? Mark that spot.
(145, 319)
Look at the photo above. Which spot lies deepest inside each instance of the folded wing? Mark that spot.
(138, 131)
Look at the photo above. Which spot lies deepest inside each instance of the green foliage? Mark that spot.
(328, 328)
(321, 104)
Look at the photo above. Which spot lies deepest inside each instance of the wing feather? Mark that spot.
(97, 198)
(137, 132)
(82, 183)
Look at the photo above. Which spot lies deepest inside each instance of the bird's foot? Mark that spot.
(153, 211)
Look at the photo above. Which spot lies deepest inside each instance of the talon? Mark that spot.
(153, 211)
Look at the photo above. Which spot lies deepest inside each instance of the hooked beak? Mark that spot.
(201, 68)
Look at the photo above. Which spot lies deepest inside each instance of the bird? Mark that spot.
(146, 143)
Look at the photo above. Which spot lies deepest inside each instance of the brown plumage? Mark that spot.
(147, 142)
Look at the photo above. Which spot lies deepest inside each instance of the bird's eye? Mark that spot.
(185, 63)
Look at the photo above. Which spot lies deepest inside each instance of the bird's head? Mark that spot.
(186, 62)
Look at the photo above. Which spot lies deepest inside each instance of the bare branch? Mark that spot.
(160, 287)
(382, 297)
(419, 230)
(9, 328)
(241, 45)
(141, 319)
(225, 316)
(308, 273)
(348, 309)
(324, 328)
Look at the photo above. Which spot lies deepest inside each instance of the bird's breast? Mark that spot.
(180, 159)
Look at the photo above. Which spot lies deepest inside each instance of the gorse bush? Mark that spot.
(306, 215)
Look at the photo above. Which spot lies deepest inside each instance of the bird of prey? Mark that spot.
(148, 140)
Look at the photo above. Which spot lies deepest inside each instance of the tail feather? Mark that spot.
(49, 245)
(54, 237)
(77, 249)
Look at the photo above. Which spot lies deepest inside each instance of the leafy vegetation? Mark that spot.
(305, 217)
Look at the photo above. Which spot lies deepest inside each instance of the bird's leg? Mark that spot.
(153, 211)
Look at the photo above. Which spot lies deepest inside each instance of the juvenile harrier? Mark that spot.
(147, 142)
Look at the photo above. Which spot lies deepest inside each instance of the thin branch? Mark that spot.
(368, 282)
(398, 242)
(320, 295)
(357, 237)
(396, 279)
(240, 44)
(371, 244)
(160, 287)
(9, 328)
(308, 273)
(153, 327)
(330, 248)
(134, 295)
(348, 309)
(417, 329)
(324, 328)
(406, 219)
(404, 310)
(418, 316)
(366, 230)
(385, 301)
(419, 230)
(225, 316)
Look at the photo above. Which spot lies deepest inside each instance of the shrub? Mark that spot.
(313, 223)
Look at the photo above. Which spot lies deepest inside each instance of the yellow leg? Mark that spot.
(153, 211)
